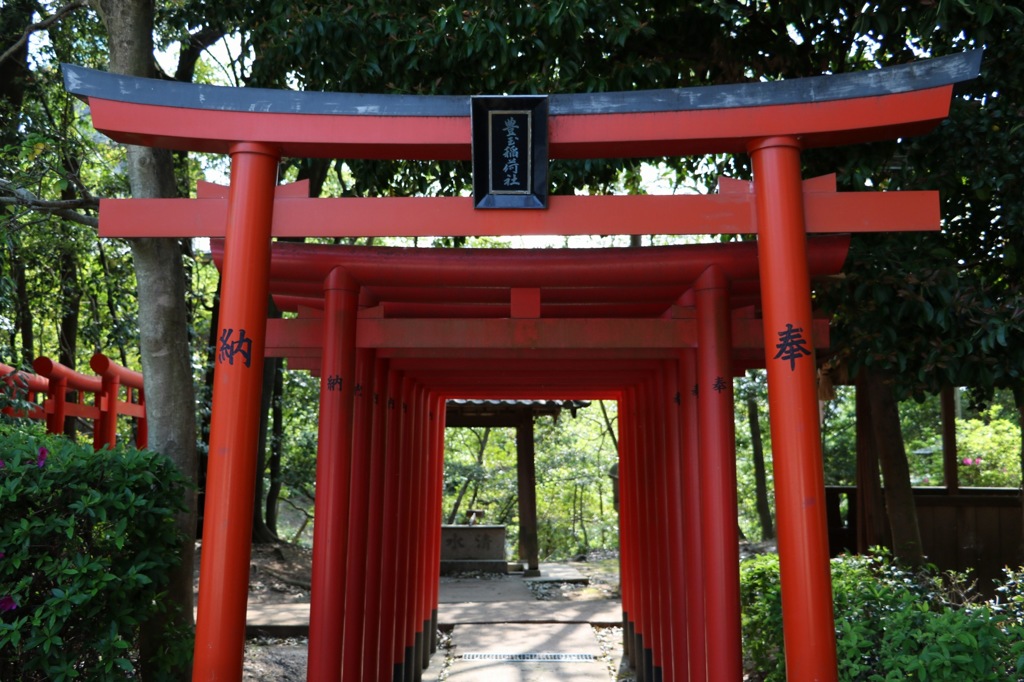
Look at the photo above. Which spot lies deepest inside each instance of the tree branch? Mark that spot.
(45, 23)
(67, 209)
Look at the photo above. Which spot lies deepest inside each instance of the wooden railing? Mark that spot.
(47, 394)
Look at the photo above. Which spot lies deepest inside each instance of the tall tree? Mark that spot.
(163, 319)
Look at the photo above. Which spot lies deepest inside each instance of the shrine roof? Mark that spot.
(826, 110)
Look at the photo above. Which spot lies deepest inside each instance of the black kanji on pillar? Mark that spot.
(510, 152)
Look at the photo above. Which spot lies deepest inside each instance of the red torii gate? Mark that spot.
(770, 121)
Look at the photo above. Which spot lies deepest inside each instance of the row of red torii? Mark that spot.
(393, 333)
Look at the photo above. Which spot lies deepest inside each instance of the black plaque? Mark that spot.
(510, 152)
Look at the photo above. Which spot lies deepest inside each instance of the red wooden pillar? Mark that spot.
(333, 475)
(673, 496)
(660, 593)
(718, 477)
(415, 535)
(646, 583)
(390, 622)
(404, 511)
(105, 429)
(692, 514)
(237, 381)
(809, 629)
(358, 518)
(434, 513)
(383, 380)
(627, 531)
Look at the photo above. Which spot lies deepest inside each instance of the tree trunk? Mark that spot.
(70, 296)
(465, 484)
(276, 441)
(764, 510)
(163, 320)
(899, 496)
(871, 520)
(260, 532)
(24, 311)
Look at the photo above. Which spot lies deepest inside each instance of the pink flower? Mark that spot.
(968, 461)
(43, 454)
(7, 603)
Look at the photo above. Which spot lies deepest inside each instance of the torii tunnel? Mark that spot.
(393, 333)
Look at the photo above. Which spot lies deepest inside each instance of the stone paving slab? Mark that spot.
(600, 612)
(534, 638)
(558, 573)
(292, 620)
(455, 590)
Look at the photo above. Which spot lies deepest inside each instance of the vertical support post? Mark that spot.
(333, 473)
(692, 518)
(661, 645)
(58, 401)
(630, 498)
(718, 477)
(237, 381)
(383, 379)
(529, 549)
(434, 514)
(358, 518)
(672, 480)
(403, 509)
(808, 625)
(105, 428)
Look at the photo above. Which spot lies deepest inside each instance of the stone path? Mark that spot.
(523, 652)
(499, 631)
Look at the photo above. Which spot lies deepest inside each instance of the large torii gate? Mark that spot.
(772, 122)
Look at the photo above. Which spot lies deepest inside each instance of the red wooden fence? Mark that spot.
(48, 390)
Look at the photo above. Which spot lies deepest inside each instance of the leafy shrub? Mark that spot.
(86, 541)
(891, 623)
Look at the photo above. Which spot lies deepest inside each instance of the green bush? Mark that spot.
(891, 624)
(86, 541)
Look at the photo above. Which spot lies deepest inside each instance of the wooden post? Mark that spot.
(529, 550)
(673, 491)
(692, 517)
(808, 628)
(358, 518)
(333, 473)
(718, 477)
(237, 381)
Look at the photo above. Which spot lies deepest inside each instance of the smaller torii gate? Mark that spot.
(771, 122)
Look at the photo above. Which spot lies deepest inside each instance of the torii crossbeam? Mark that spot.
(772, 122)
